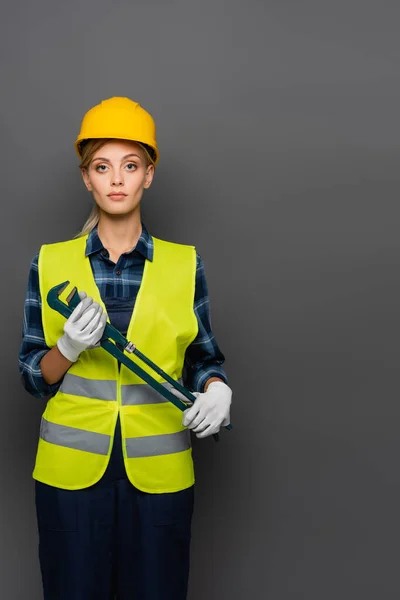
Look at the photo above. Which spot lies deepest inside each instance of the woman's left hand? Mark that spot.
(210, 410)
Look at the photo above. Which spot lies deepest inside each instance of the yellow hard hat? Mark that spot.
(119, 118)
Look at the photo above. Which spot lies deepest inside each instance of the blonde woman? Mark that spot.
(114, 474)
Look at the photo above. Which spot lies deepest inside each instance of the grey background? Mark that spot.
(278, 127)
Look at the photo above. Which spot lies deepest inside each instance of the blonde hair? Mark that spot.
(88, 149)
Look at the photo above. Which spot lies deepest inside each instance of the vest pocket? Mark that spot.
(56, 508)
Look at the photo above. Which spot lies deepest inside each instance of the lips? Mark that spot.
(116, 195)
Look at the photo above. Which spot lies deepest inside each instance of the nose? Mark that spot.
(117, 178)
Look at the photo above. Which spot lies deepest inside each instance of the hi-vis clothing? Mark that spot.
(77, 426)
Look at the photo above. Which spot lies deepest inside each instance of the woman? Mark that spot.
(114, 473)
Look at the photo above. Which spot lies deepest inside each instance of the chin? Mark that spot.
(118, 211)
(118, 208)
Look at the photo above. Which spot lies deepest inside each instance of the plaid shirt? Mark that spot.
(203, 358)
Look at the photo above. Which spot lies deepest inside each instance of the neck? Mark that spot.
(119, 233)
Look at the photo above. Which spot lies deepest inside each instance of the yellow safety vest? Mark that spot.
(77, 426)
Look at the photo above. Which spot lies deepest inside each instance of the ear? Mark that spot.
(85, 178)
(149, 176)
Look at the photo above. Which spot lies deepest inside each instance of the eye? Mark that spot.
(131, 165)
(99, 167)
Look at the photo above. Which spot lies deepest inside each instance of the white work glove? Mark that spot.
(83, 328)
(209, 411)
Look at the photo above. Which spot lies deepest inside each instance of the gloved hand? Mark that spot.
(209, 411)
(83, 295)
(83, 328)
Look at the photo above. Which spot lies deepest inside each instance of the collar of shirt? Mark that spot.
(144, 244)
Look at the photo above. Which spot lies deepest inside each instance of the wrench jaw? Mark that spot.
(71, 294)
(55, 292)
(54, 301)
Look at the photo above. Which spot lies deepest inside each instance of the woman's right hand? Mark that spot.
(83, 329)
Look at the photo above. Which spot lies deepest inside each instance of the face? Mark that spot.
(117, 176)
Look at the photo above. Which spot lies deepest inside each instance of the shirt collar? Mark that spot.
(144, 244)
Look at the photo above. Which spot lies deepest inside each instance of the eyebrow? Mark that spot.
(123, 158)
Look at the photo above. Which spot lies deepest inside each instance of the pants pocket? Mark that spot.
(172, 507)
(56, 508)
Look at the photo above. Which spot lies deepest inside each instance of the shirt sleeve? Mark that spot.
(33, 345)
(203, 358)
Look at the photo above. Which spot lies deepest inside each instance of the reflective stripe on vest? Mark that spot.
(153, 445)
(105, 389)
(71, 437)
(100, 389)
(133, 393)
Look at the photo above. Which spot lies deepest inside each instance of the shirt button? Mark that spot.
(104, 252)
(118, 272)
